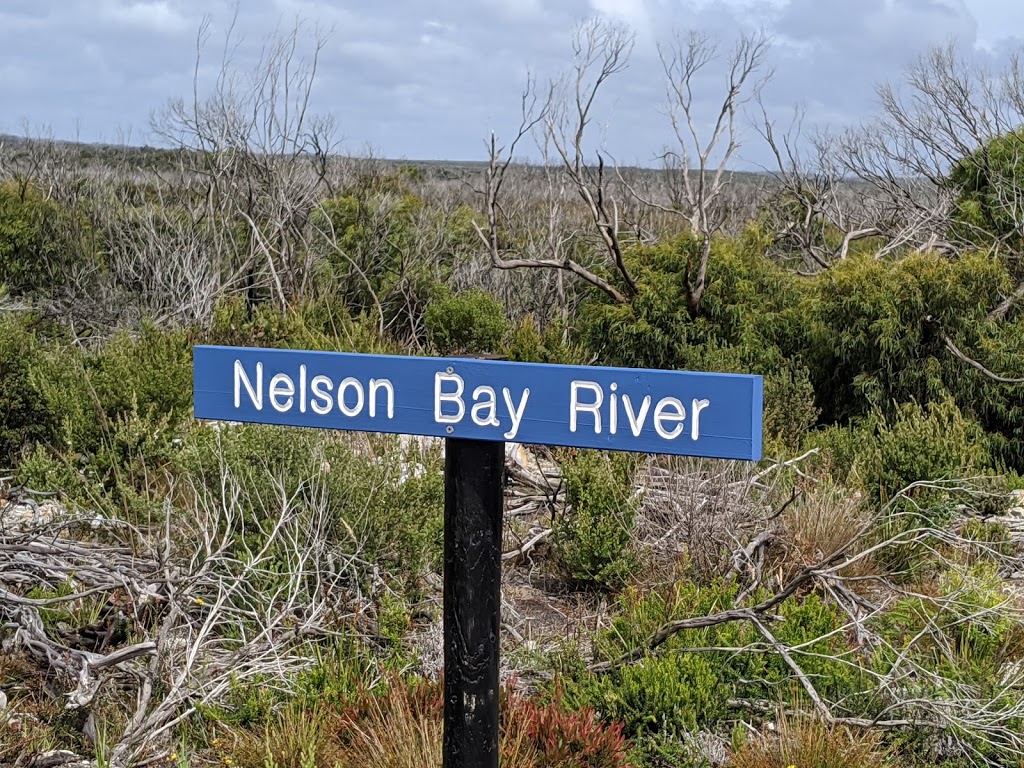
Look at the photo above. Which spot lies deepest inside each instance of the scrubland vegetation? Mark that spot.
(183, 593)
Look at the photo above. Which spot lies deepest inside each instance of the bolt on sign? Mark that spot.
(478, 405)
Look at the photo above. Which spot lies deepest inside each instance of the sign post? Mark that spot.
(473, 504)
(477, 406)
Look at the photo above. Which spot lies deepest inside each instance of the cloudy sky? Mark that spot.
(429, 80)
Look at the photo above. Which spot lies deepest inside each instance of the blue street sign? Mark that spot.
(716, 415)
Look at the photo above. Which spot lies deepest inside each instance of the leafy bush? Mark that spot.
(886, 454)
(986, 179)
(40, 243)
(877, 340)
(593, 537)
(24, 416)
(388, 251)
(676, 690)
(935, 442)
(323, 324)
(526, 344)
(749, 323)
(563, 737)
(149, 375)
(468, 322)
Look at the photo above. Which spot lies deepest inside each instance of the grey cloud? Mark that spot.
(432, 81)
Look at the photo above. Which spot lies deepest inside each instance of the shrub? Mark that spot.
(401, 727)
(562, 737)
(984, 180)
(525, 343)
(374, 249)
(469, 322)
(148, 376)
(323, 324)
(295, 737)
(989, 540)
(806, 742)
(678, 690)
(24, 416)
(40, 240)
(593, 537)
(965, 632)
(935, 442)
(886, 454)
(749, 323)
(874, 327)
(390, 513)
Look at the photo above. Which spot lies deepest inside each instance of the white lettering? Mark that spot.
(255, 395)
(516, 414)
(448, 397)
(385, 384)
(322, 402)
(613, 411)
(660, 415)
(575, 406)
(698, 406)
(636, 420)
(490, 404)
(282, 386)
(350, 383)
(302, 389)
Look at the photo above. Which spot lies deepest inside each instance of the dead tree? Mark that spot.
(258, 154)
(697, 165)
(600, 51)
(811, 201)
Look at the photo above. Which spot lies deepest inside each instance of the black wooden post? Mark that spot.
(473, 505)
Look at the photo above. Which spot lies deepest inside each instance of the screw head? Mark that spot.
(449, 369)
(449, 429)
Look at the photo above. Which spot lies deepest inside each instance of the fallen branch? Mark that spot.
(528, 546)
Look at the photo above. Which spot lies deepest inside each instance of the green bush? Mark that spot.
(750, 322)
(24, 416)
(389, 251)
(935, 442)
(985, 180)
(526, 344)
(877, 340)
(41, 242)
(323, 325)
(388, 511)
(969, 644)
(593, 538)
(469, 322)
(677, 690)
(148, 375)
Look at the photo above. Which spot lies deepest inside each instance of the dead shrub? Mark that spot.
(824, 520)
(807, 742)
(695, 511)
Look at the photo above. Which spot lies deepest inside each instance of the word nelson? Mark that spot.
(590, 405)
